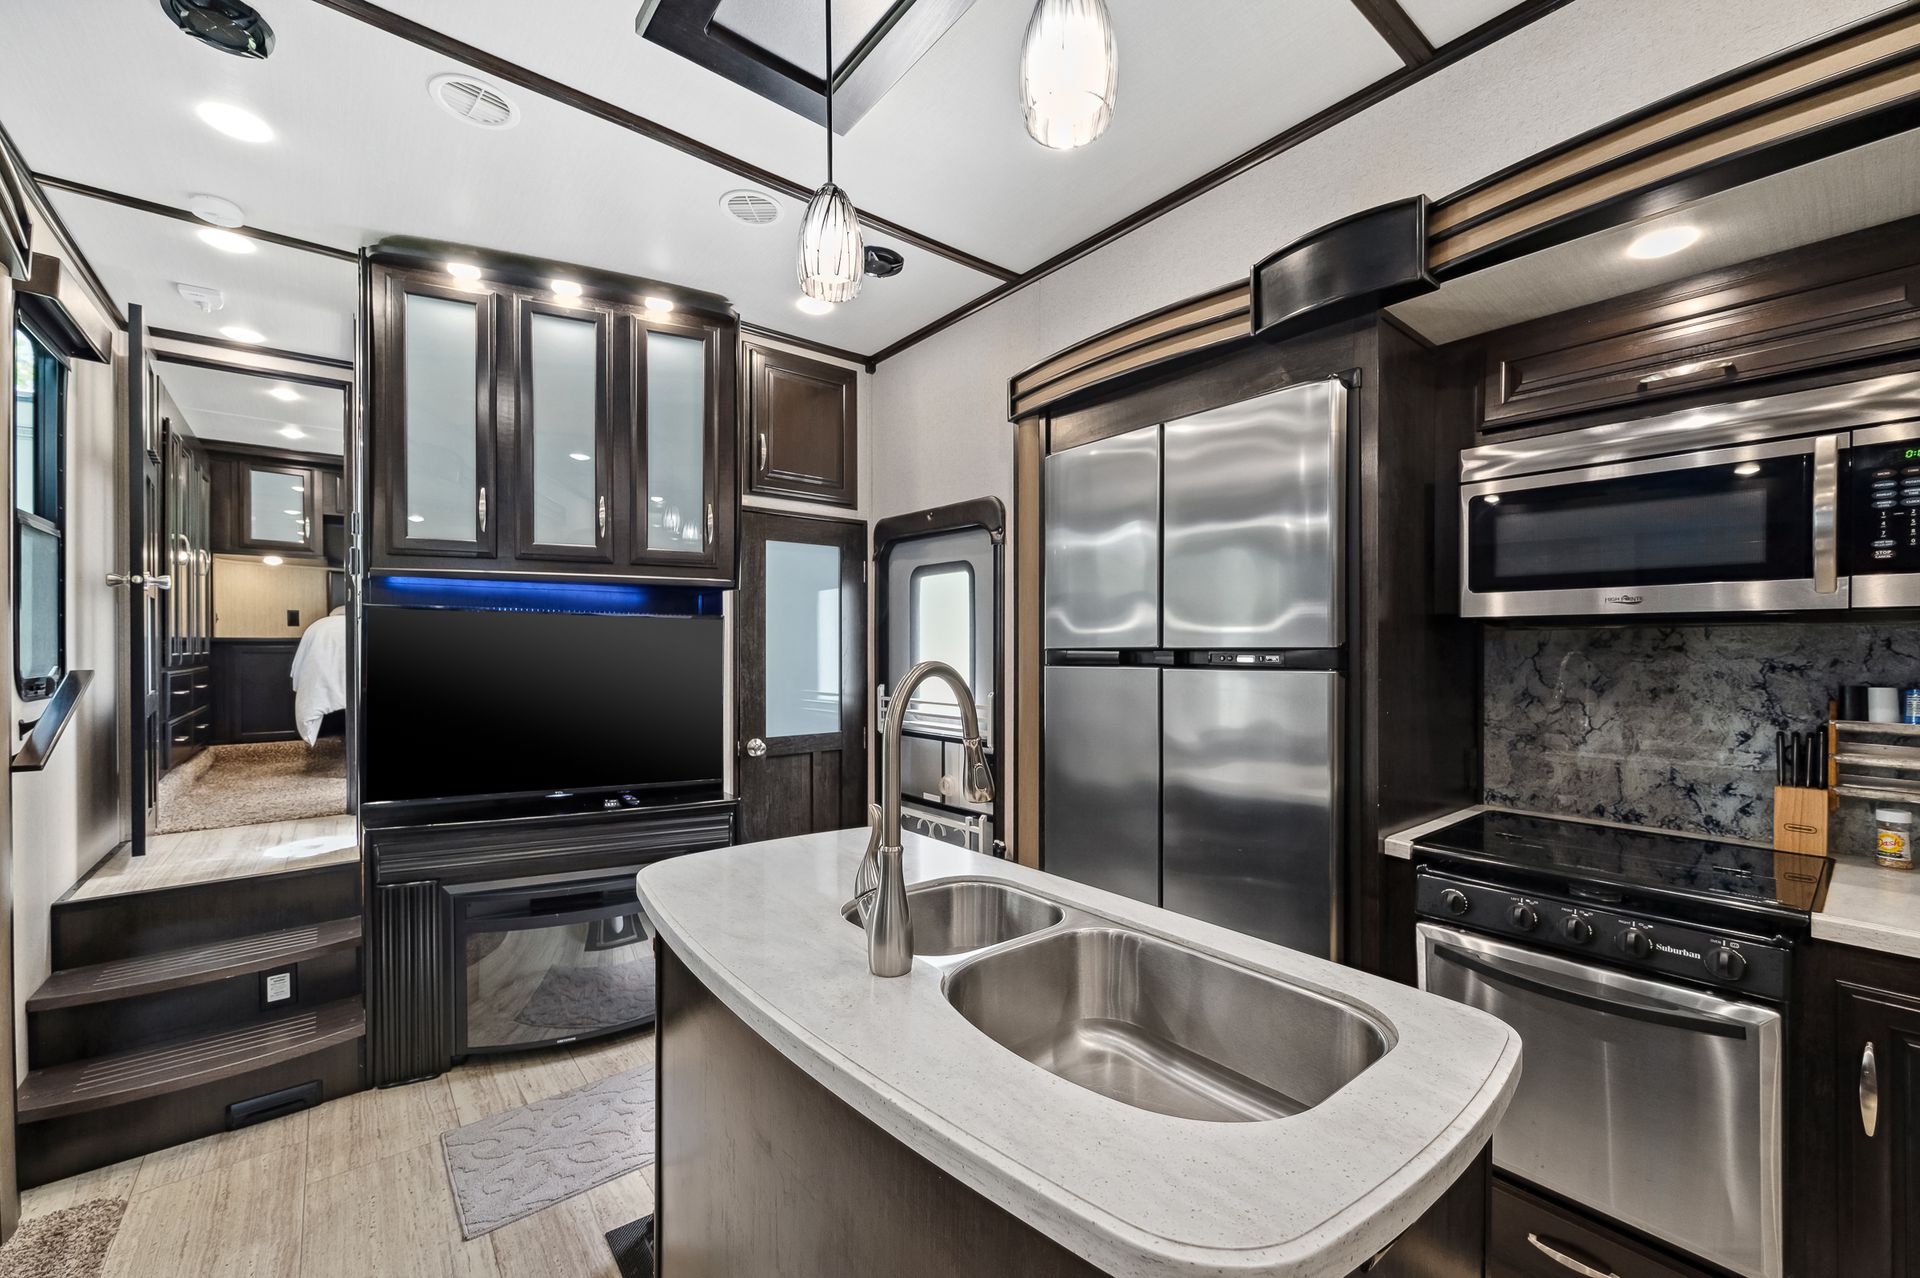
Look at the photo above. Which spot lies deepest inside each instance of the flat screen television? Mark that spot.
(467, 703)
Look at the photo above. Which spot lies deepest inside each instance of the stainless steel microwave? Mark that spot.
(1809, 500)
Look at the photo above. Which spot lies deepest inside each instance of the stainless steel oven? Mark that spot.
(1750, 507)
(1647, 1101)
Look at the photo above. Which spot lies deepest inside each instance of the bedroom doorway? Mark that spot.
(246, 662)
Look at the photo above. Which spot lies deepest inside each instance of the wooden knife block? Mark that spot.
(1800, 819)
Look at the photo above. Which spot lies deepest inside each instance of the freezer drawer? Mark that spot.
(1100, 797)
(1251, 791)
(1253, 522)
(1102, 515)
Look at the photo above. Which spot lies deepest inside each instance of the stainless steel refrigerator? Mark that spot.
(1192, 698)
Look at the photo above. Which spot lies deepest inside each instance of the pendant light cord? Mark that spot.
(829, 92)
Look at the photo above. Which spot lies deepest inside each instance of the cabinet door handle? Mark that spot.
(1552, 1251)
(483, 509)
(709, 523)
(1869, 1091)
(763, 450)
(1688, 373)
(603, 516)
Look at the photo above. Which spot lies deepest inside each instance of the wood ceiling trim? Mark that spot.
(51, 183)
(1398, 29)
(547, 87)
(1117, 346)
(1514, 19)
(1147, 352)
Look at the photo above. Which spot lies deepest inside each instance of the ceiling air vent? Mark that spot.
(475, 101)
(755, 208)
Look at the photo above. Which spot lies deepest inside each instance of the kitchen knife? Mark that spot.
(1819, 760)
(1780, 758)
(1798, 770)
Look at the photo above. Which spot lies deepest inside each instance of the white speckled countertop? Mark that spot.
(1867, 907)
(1137, 1193)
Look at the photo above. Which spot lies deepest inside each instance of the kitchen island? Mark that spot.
(814, 1119)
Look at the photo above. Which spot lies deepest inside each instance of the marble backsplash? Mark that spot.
(1672, 726)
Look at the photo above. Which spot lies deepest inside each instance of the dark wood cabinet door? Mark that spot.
(562, 430)
(800, 675)
(1877, 1058)
(275, 508)
(253, 690)
(434, 369)
(801, 426)
(679, 514)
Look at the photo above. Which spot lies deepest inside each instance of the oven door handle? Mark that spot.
(1673, 1018)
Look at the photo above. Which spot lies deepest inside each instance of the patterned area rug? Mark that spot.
(69, 1243)
(527, 1159)
(254, 783)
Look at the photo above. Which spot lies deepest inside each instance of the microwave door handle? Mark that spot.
(1673, 1018)
(1826, 518)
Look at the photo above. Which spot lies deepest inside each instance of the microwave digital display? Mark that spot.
(1883, 509)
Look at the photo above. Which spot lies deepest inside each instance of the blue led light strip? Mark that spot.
(613, 599)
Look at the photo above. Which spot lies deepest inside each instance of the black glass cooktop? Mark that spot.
(1671, 865)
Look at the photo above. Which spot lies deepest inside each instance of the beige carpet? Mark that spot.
(69, 1243)
(253, 784)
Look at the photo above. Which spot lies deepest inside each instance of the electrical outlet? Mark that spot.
(276, 987)
(293, 616)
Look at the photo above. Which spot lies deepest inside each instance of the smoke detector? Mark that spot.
(206, 300)
(216, 210)
(755, 208)
(474, 101)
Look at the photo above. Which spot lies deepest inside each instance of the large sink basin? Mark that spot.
(1164, 1028)
(953, 918)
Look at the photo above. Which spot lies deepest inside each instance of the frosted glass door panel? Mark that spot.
(565, 368)
(803, 639)
(276, 508)
(443, 468)
(676, 443)
(943, 626)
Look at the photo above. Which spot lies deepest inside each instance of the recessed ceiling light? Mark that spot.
(238, 333)
(292, 432)
(579, 457)
(237, 123)
(224, 240)
(657, 303)
(814, 306)
(1664, 242)
(216, 210)
(463, 270)
(565, 288)
(272, 561)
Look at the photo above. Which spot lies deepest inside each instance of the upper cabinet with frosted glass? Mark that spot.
(520, 430)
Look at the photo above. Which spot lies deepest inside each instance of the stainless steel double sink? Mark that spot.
(1142, 1020)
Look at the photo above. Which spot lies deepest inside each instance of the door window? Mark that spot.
(941, 596)
(803, 639)
(39, 426)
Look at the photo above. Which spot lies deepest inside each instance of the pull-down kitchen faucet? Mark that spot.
(880, 888)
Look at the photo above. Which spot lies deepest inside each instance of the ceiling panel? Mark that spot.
(946, 151)
(363, 153)
(1444, 20)
(238, 408)
(296, 301)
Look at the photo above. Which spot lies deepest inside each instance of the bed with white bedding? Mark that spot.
(320, 673)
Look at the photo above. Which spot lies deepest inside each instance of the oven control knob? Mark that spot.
(1637, 941)
(1523, 916)
(1456, 901)
(1727, 963)
(1577, 929)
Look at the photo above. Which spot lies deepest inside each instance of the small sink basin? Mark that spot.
(1165, 1028)
(953, 918)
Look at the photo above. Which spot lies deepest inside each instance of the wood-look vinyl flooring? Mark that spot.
(357, 1188)
(236, 852)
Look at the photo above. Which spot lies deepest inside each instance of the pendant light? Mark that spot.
(1067, 72)
(832, 249)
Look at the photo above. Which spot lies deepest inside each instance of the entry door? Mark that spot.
(144, 581)
(800, 675)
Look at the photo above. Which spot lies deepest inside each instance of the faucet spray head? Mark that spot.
(979, 778)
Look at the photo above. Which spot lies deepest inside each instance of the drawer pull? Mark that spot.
(1869, 1091)
(1552, 1251)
